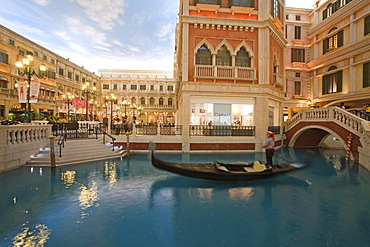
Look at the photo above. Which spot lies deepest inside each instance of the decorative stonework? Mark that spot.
(207, 7)
(224, 27)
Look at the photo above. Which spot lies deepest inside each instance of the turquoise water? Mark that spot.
(129, 203)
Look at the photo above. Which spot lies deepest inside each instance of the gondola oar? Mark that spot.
(298, 165)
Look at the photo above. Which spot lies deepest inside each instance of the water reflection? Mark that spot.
(110, 173)
(88, 197)
(244, 193)
(68, 178)
(205, 189)
(36, 237)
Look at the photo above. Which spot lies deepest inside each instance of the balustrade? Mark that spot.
(17, 134)
(209, 71)
(338, 115)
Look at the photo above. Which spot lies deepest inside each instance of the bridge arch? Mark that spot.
(312, 135)
(317, 135)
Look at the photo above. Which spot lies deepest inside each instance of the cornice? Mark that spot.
(338, 16)
(336, 55)
(26, 41)
(234, 25)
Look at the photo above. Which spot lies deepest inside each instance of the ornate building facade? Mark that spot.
(340, 53)
(297, 24)
(61, 78)
(148, 96)
(230, 58)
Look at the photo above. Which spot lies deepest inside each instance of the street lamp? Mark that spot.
(140, 109)
(112, 99)
(133, 109)
(69, 100)
(87, 91)
(25, 68)
(92, 103)
(125, 104)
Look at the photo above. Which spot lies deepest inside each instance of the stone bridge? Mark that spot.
(310, 128)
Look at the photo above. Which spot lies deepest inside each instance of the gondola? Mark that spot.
(221, 171)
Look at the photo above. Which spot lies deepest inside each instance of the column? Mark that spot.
(351, 76)
(263, 59)
(261, 120)
(352, 29)
(185, 122)
(185, 51)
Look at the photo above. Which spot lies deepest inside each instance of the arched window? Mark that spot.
(203, 56)
(3, 80)
(142, 101)
(170, 101)
(333, 7)
(242, 58)
(160, 101)
(223, 57)
(332, 83)
(133, 100)
(151, 101)
(333, 41)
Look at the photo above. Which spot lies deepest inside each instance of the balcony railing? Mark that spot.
(226, 72)
(175, 130)
(220, 130)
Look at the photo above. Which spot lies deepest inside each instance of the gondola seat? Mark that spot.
(220, 167)
(257, 167)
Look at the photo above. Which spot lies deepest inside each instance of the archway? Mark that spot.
(315, 136)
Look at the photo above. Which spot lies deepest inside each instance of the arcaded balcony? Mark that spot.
(225, 72)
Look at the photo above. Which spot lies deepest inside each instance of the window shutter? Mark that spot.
(325, 46)
(339, 75)
(340, 38)
(366, 75)
(367, 25)
(325, 85)
(325, 14)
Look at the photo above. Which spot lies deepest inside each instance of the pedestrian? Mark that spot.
(269, 145)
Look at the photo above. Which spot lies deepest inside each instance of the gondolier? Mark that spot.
(269, 145)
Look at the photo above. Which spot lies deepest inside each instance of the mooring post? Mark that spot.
(52, 151)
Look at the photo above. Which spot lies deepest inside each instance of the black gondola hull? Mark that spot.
(210, 171)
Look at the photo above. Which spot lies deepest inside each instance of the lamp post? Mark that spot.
(140, 109)
(92, 103)
(25, 68)
(125, 104)
(69, 101)
(133, 109)
(87, 91)
(111, 98)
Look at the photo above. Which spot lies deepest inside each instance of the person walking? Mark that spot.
(269, 145)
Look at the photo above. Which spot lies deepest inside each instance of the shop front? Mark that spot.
(222, 111)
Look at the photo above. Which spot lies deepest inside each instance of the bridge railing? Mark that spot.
(338, 115)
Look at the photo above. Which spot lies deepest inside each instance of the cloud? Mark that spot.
(41, 2)
(103, 12)
(128, 47)
(77, 47)
(15, 25)
(143, 17)
(62, 35)
(164, 29)
(77, 27)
